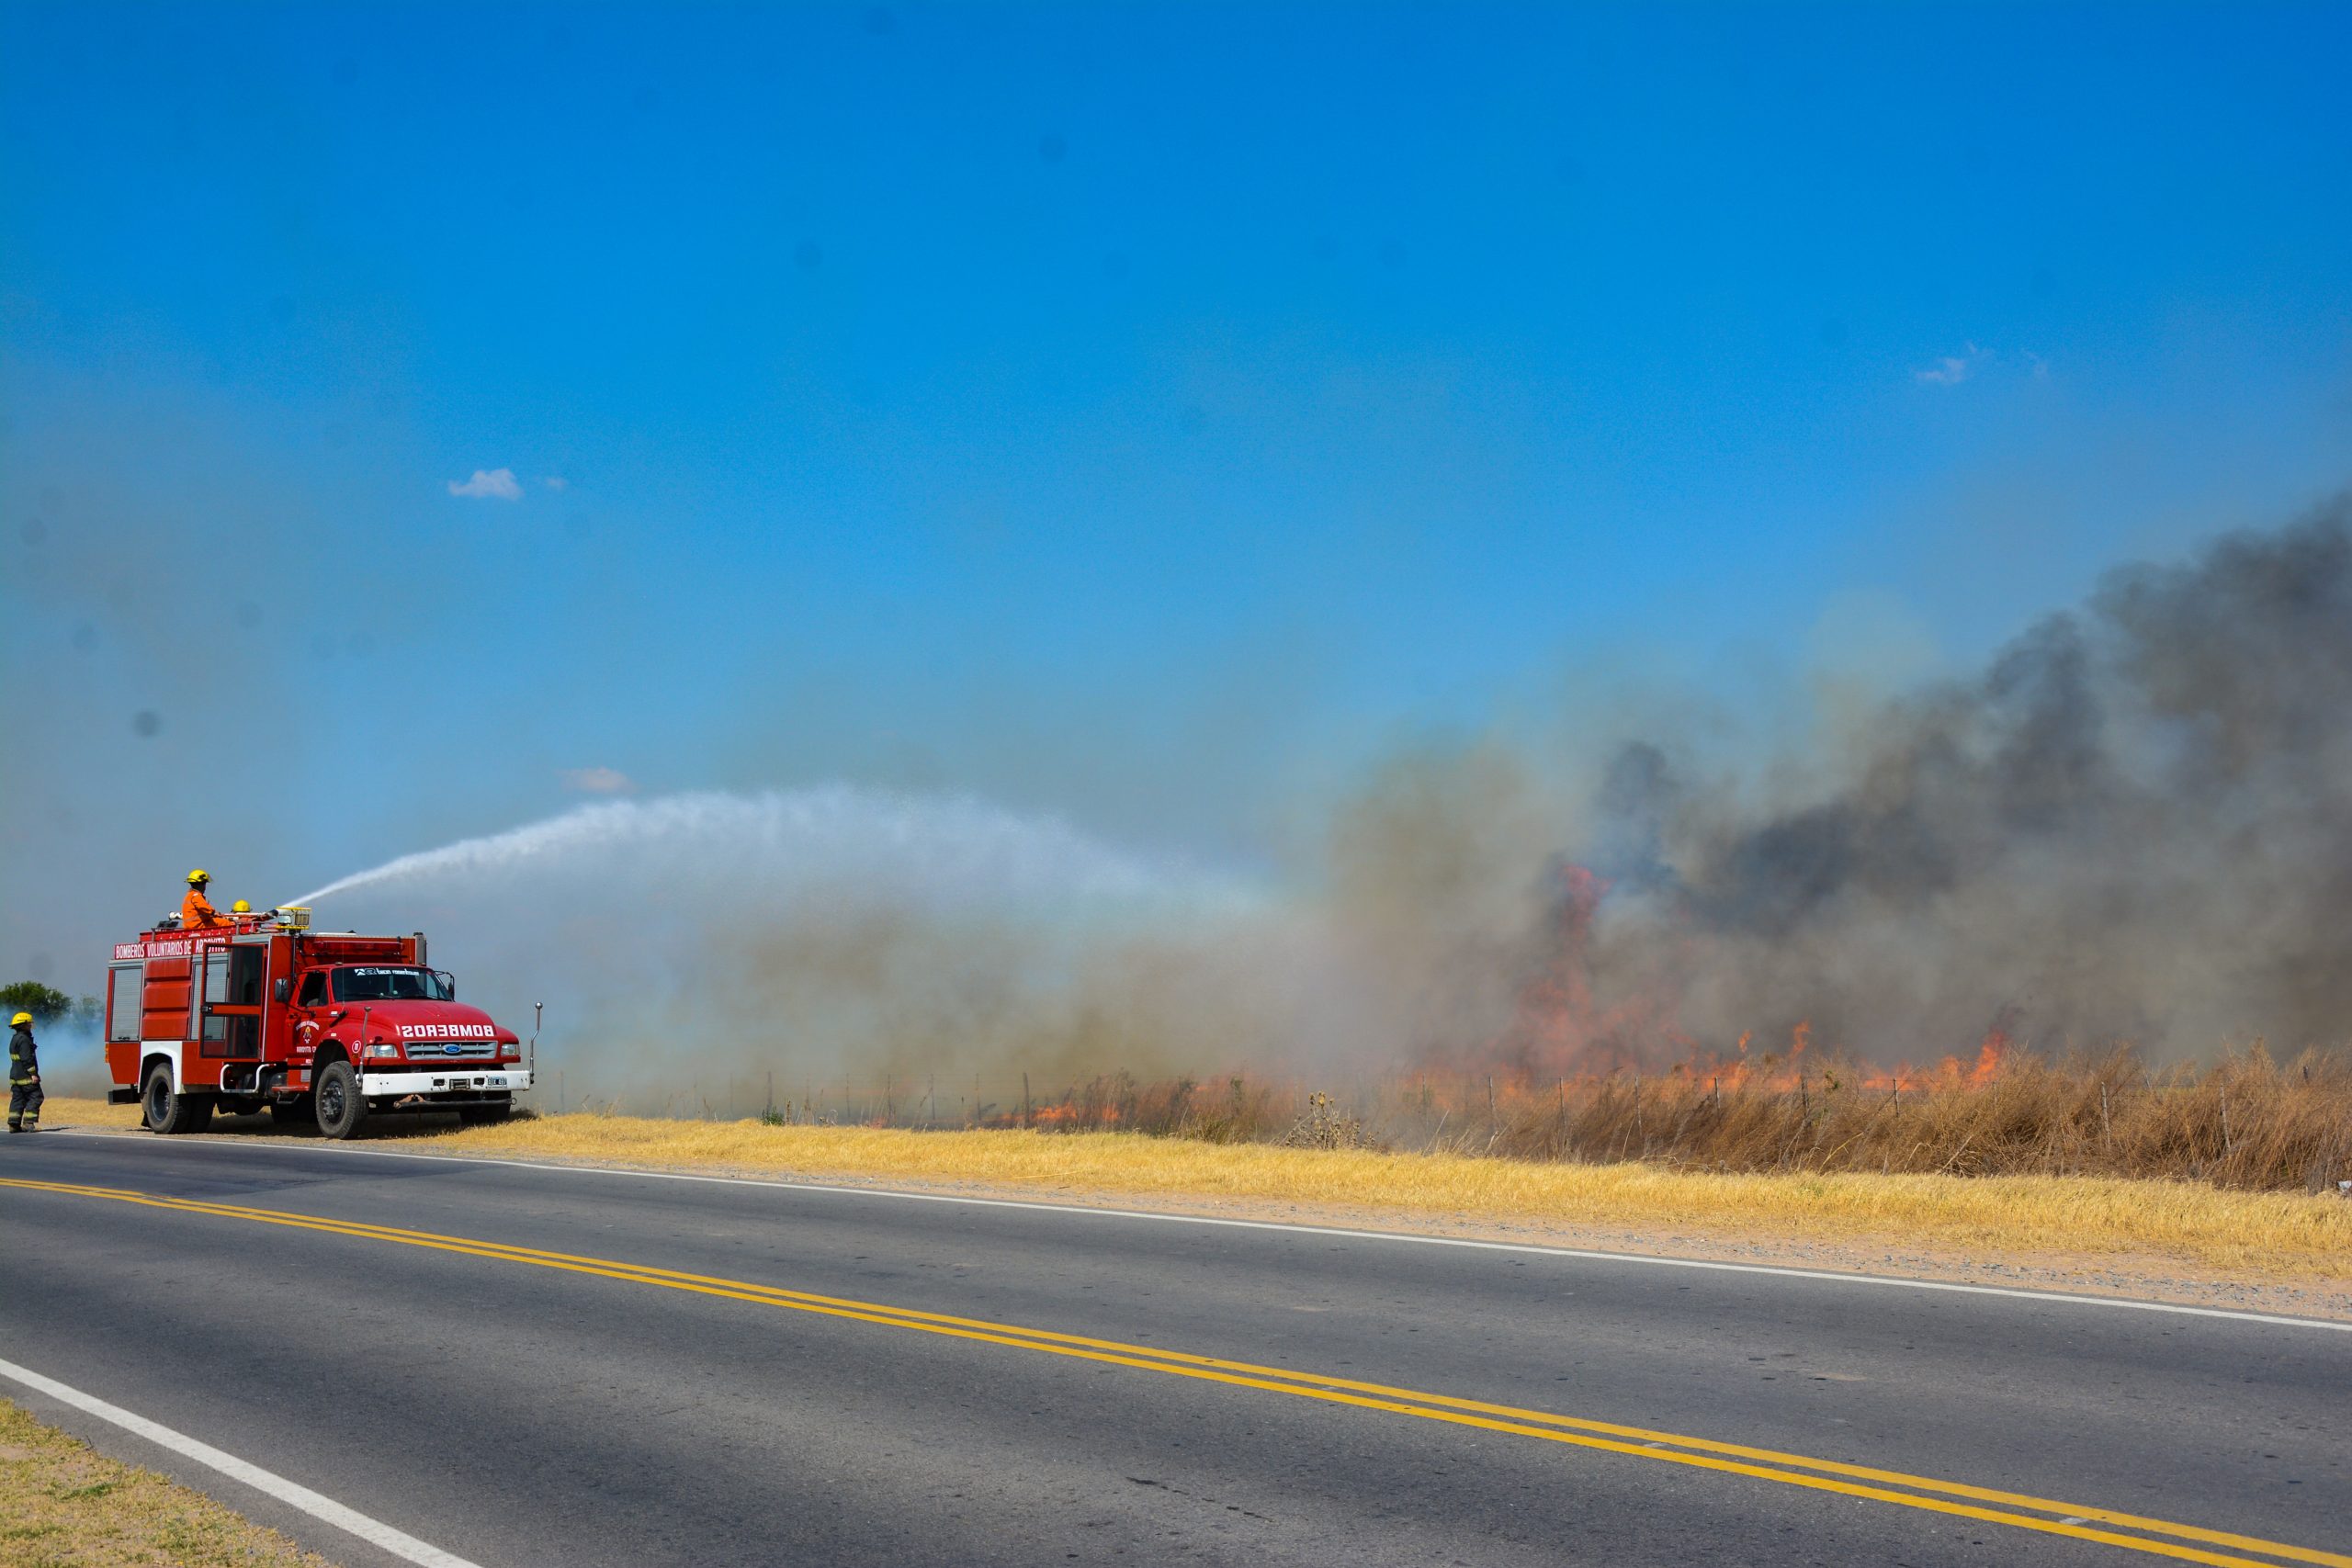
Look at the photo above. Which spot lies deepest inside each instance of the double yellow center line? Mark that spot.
(2132, 1531)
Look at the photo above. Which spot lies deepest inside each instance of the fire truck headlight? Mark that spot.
(383, 1049)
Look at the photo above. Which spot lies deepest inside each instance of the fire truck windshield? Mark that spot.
(385, 983)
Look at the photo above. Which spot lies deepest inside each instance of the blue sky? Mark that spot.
(1145, 414)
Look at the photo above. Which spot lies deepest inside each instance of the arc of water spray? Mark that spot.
(949, 840)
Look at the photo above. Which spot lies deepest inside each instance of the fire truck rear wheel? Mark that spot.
(342, 1108)
(168, 1110)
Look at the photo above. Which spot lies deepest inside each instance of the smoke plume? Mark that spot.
(2134, 824)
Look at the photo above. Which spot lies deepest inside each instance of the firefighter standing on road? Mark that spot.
(196, 910)
(24, 1077)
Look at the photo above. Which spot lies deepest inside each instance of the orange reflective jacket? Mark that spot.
(197, 910)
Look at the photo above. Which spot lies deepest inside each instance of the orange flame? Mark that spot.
(1066, 1110)
(1565, 1028)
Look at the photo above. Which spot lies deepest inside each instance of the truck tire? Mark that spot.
(169, 1111)
(342, 1108)
(481, 1115)
(293, 1114)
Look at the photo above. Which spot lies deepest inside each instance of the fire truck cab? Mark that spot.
(330, 1026)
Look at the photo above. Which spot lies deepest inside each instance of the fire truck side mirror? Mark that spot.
(281, 988)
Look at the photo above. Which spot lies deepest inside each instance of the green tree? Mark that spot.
(47, 1005)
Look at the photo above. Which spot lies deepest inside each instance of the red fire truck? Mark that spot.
(265, 1013)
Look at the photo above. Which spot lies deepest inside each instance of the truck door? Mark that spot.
(235, 979)
(309, 1017)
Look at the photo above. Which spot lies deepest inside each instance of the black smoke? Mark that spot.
(2134, 824)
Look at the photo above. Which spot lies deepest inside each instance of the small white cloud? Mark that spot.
(556, 482)
(1952, 369)
(598, 781)
(1978, 362)
(498, 484)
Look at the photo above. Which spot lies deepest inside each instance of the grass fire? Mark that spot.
(2244, 1121)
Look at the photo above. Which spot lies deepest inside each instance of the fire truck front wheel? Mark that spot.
(342, 1110)
(169, 1111)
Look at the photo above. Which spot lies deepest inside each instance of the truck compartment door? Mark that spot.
(165, 1005)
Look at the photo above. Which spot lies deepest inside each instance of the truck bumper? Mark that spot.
(447, 1080)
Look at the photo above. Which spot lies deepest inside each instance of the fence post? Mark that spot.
(1025, 1115)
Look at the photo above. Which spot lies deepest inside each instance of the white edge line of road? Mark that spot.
(1781, 1271)
(375, 1532)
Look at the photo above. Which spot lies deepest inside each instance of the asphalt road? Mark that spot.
(1351, 1399)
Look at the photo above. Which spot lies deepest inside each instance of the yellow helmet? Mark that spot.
(197, 877)
(21, 1020)
(241, 907)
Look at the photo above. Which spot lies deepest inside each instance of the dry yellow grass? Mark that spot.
(64, 1504)
(2274, 1233)
(2270, 1234)
(61, 1111)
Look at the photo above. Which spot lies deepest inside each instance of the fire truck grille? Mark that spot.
(453, 1050)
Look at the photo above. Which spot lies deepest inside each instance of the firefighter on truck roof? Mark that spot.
(24, 1077)
(196, 910)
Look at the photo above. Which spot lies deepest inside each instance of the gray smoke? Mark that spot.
(2135, 824)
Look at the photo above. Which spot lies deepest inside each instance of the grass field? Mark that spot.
(2243, 1233)
(64, 1504)
(2242, 1119)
